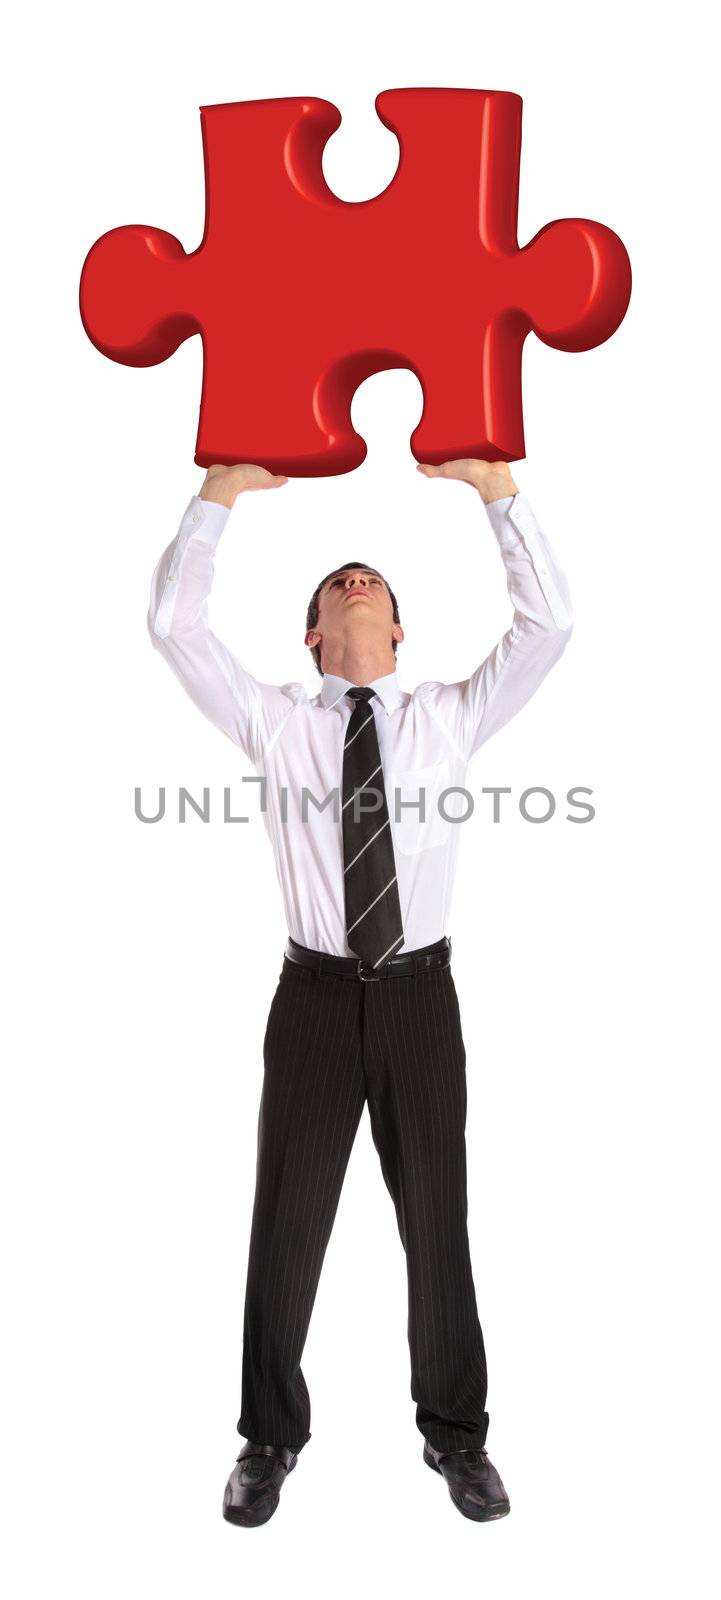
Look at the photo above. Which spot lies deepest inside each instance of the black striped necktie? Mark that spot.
(374, 925)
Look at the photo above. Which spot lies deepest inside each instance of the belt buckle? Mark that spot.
(366, 977)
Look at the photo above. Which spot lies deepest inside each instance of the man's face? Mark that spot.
(355, 605)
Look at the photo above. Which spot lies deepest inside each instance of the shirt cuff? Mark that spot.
(498, 510)
(517, 520)
(511, 516)
(501, 505)
(207, 519)
(504, 517)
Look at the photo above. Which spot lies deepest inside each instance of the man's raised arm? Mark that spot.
(542, 624)
(227, 694)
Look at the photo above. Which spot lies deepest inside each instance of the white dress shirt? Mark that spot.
(426, 738)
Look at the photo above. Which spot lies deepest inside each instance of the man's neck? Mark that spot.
(360, 667)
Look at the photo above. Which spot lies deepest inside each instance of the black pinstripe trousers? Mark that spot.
(331, 1044)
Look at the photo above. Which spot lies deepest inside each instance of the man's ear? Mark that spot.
(312, 638)
(398, 633)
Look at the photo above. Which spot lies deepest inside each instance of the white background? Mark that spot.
(141, 960)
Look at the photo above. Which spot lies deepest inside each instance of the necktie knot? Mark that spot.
(360, 695)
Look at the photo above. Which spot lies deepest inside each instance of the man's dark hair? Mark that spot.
(312, 614)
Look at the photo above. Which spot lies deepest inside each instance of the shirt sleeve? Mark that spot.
(542, 624)
(227, 694)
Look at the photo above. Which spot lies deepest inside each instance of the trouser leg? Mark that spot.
(415, 1066)
(311, 1103)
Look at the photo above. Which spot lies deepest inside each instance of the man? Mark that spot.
(365, 1008)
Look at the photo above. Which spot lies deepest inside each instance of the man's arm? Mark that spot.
(542, 624)
(177, 618)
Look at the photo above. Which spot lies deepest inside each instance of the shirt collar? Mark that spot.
(387, 689)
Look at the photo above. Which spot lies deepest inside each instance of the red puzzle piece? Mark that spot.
(299, 296)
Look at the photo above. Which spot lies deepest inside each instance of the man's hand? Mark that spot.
(224, 484)
(492, 479)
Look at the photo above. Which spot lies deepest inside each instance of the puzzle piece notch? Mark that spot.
(339, 290)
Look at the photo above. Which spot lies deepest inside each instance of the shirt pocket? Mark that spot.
(420, 825)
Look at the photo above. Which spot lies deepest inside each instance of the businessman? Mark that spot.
(361, 789)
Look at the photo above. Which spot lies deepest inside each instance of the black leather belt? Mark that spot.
(404, 965)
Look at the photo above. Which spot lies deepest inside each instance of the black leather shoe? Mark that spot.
(473, 1483)
(253, 1488)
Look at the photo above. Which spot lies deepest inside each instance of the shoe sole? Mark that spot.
(252, 1517)
(490, 1513)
